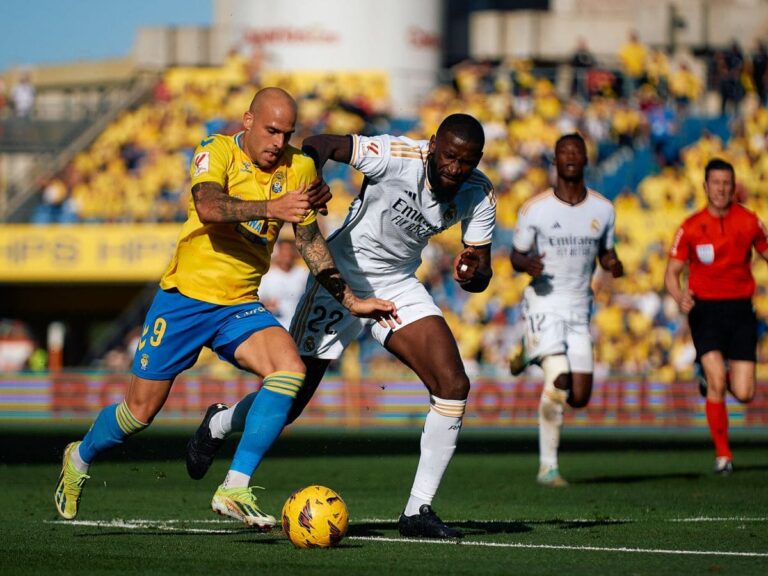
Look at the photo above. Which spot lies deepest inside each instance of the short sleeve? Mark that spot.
(761, 240)
(371, 155)
(608, 240)
(679, 249)
(210, 161)
(477, 230)
(525, 231)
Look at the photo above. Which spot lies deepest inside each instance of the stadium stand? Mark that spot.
(648, 150)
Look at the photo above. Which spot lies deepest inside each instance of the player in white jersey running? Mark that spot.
(413, 190)
(560, 234)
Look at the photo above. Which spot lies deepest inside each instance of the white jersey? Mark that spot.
(281, 291)
(394, 216)
(571, 238)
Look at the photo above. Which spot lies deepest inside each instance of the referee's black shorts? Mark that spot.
(729, 326)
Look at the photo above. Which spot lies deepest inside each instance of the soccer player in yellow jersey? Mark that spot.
(244, 188)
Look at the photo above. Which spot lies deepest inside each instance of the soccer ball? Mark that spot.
(315, 517)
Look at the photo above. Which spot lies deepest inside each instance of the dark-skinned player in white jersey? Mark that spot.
(412, 191)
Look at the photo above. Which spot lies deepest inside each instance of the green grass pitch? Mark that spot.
(638, 503)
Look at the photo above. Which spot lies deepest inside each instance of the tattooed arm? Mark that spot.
(214, 205)
(312, 247)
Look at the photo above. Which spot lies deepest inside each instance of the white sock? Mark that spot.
(550, 423)
(438, 443)
(236, 479)
(221, 423)
(78, 462)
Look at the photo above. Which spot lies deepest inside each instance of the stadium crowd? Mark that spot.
(136, 171)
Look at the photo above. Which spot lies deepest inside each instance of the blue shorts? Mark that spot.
(177, 327)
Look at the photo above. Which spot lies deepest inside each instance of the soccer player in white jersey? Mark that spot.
(413, 190)
(560, 235)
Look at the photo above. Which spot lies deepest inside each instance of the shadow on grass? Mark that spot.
(750, 468)
(575, 525)
(30, 445)
(635, 478)
(468, 527)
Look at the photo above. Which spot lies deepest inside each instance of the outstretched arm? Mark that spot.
(312, 247)
(214, 205)
(472, 268)
(324, 147)
(321, 148)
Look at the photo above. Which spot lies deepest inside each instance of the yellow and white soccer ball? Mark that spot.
(315, 517)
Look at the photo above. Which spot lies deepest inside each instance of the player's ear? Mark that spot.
(432, 145)
(248, 120)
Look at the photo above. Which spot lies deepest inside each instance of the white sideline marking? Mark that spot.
(706, 519)
(579, 520)
(172, 526)
(153, 524)
(560, 547)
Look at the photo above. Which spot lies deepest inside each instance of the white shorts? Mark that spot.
(322, 327)
(549, 332)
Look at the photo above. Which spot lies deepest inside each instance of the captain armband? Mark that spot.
(331, 280)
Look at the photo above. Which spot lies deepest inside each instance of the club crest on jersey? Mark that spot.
(201, 163)
(309, 344)
(705, 253)
(595, 225)
(277, 184)
(246, 167)
(372, 148)
(144, 361)
(450, 214)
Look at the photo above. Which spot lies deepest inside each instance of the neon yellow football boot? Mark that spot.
(241, 504)
(69, 488)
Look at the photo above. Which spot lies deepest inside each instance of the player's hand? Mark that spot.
(383, 311)
(291, 207)
(534, 264)
(319, 194)
(614, 266)
(686, 302)
(465, 265)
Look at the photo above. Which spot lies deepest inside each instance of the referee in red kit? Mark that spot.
(717, 243)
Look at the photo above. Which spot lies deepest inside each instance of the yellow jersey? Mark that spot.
(223, 263)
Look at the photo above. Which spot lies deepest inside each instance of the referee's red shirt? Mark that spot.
(719, 252)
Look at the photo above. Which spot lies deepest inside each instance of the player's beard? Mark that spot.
(433, 176)
(574, 178)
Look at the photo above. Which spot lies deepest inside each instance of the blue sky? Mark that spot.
(56, 31)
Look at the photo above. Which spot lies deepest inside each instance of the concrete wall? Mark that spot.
(605, 26)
